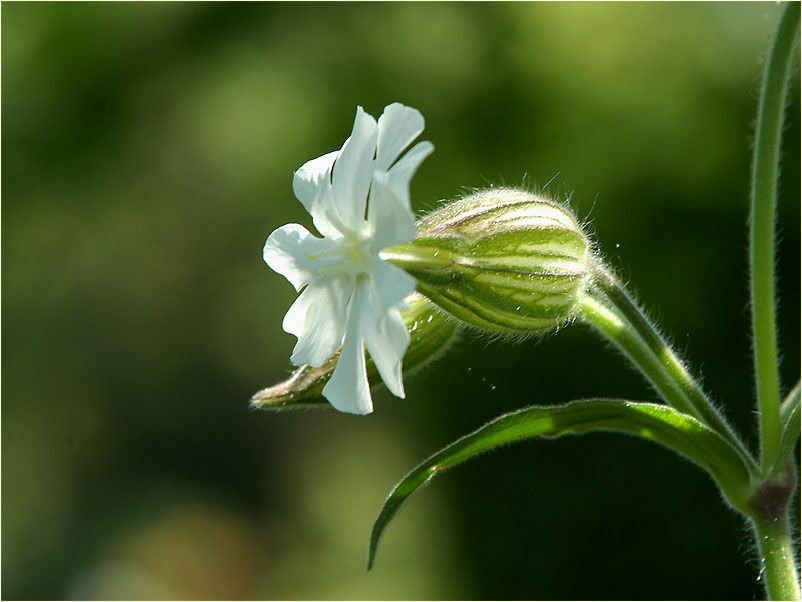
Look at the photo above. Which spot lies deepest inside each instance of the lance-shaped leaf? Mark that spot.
(430, 334)
(662, 424)
(789, 405)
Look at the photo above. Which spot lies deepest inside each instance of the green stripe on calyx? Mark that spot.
(502, 260)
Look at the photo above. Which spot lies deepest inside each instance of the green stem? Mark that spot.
(610, 324)
(626, 326)
(765, 170)
(692, 391)
(775, 547)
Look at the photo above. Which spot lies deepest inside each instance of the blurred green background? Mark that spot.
(147, 153)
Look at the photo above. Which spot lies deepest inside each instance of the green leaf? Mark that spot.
(789, 405)
(662, 424)
(790, 420)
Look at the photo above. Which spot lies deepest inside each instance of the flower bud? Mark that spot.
(430, 334)
(503, 260)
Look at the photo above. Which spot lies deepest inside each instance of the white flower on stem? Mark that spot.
(358, 198)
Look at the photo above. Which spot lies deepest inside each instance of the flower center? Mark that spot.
(351, 256)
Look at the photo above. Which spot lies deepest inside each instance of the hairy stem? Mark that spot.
(778, 566)
(690, 390)
(620, 321)
(765, 171)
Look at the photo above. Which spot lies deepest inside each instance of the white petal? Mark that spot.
(348, 389)
(288, 249)
(312, 178)
(312, 186)
(391, 285)
(318, 319)
(391, 222)
(400, 174)
(399, 125)
(353, 170)
(387, 340)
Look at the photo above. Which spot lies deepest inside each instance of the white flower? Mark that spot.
(353, 297)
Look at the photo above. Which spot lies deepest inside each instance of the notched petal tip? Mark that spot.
(352, 171)
(313, 177)
(399, 125)
(284, 253)
(407, 165)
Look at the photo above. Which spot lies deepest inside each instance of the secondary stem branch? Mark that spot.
(619, 320)
(765, 171)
